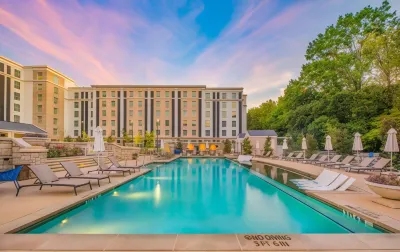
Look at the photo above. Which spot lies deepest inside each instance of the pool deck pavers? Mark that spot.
(33, 205)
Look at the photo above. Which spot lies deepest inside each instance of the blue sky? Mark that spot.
(255, 44)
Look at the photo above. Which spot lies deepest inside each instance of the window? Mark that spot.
(223, 114)
(157, 113)
(194, 124)
(112, 93)
(76, 95)
(91, 97)
(104, 104)
(193, 132)
(39, 119)
(140, 122)
(131, 104)
(208, 104)
(17, 85)
(223, 95)
(112, 112)
(185, 94)
(130, 93)
(207, 132)
(76, 133)
(55, 79)
(91, 105)
(91, 113)
(140, 93)
(233, 132)
(140, 104)
(39, 87)
(39, 97)
(167, 104)
(233, 95)
(91, 132)
(224, 105)
(112, 132)
(8, 70)
(91, 124)
(158, 94)
(167, 113)
(1, 67)
(17, 96)
(112, 122)
(104, 113)
(40, 75)
(130, 112)
(166, 122)
(112, 103)
(157, 104)
(185, 104)
(76, 113)
(104, 93)
(158, 132)
(55, 99)
(233, 114)
(223, 132)
(167, 94)
(104, 133)
(76, 123)
(55, 131)
(130, 132)
(184, 132)
(193, 112)
(39, 108)
(207, 95)
(140, 132)
(207, 113)
(184, 123)
(233, 123)
(17, 118)
(140, 113)
(208, 123)
(167, 132)
(104, 123)
(234, 105)
(185, 113)
(193, 94)
(55, 121)
(223, 123)
(55, 90)
(17, 108)
(193, 104)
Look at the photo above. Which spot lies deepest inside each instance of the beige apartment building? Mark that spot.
(44, 97)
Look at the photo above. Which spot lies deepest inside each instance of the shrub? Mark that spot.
(247, 146)
(178, 145)
(53, 152)
(110, 139)
(227, 146)
(267, 145)
(390, 179)
(68, 139)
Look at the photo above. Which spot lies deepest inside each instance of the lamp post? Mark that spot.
(158, 122)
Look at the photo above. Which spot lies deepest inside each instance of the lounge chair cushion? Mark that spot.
(44, 173)
(72, 168)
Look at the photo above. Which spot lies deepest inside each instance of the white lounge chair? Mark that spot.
(346, 185)
(333, 186)
(244, 158)
(325, 178)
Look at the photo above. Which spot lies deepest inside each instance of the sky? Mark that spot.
(255, 44)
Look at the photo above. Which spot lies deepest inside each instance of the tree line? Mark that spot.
(349, 83)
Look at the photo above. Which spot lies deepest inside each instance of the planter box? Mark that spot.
(177, 152)
(385, 191)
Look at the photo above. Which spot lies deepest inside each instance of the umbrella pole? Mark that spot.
(391, 160)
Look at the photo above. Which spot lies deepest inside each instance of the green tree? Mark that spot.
(312, 145)
(110, 139)
(126, 137)
(267, 145)
(178, 145)
(68, 139)
(227, 146)
(149, 139)
(246, 146)
(138, 139)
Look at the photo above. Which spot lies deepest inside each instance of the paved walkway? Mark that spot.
(358, 200)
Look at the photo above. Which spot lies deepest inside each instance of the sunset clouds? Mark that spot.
(255, 44)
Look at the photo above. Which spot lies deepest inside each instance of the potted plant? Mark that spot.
(386, 186)
(178, 148)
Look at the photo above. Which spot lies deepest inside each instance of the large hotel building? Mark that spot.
(44, 97)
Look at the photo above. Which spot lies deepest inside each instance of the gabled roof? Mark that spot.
(21, 127)
(241, 135)
(262, 133)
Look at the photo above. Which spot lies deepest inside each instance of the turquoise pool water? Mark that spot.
(197, 195)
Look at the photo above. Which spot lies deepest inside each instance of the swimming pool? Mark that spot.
(202, 195)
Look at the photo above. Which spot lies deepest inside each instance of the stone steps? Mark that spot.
(80, 161)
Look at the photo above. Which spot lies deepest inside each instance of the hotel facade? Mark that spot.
(46, 98)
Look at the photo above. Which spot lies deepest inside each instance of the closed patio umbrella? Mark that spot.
(304, 146)
(391, 144)
(257, 147)
(284, 146)
(328, 144)
(357, 144)
(98, 144)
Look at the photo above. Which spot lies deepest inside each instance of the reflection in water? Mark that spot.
(274, 172)
(285, 177)
(157, 193)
